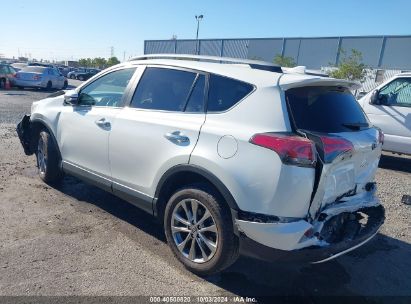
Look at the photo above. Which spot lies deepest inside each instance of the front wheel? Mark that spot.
(199, 230)
(48, 160)
(65, 85)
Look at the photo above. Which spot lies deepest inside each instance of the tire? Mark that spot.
(2, 83)
(204, 261)
(73, 76)
(48, 159)
(80, 78)
(49, 86)
(65, 85)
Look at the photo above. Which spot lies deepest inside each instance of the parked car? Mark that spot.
(389, 108)
(230, 158)
(40, 77)
(86, 74)
(6, 72)
(73, 74)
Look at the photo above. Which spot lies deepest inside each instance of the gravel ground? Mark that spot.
(79, 240)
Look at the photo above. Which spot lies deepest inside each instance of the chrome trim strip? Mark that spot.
(345, 251)
(134, 197)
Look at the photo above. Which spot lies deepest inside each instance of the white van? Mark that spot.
(389, 108)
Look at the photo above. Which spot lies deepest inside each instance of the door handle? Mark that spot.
(177, 137)
(103, 123)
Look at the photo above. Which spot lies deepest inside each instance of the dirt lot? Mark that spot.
(79, 240)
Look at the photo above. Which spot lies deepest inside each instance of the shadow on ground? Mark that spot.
(377, 263)
(396, 163)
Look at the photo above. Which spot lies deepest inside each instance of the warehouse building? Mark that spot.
(383, 55)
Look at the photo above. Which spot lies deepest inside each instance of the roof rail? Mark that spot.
(254, 64)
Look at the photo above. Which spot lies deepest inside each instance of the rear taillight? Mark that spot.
(292, 149)
(380, 136)
(36, 77)
(333, 146)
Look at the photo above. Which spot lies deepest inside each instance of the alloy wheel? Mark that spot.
(194, 231)
(41, 156)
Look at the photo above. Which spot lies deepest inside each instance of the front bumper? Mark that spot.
(339, 234)
(24, 132)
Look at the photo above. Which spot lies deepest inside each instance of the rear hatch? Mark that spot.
(348, 148)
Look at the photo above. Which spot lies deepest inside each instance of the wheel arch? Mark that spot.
(181, 175)
(36, 125)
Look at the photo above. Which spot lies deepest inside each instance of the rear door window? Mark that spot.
(225, 92)
(169, 90)
(325, 109)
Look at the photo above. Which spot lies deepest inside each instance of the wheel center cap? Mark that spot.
(194, 229)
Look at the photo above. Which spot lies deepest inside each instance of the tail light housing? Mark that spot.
(333, 146)
(292, 149)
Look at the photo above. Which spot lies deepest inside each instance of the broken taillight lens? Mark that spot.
(292, 149)
(333, 146)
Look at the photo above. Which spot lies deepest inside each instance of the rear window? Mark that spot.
(325, 110)
(33, 69)
(225, 93)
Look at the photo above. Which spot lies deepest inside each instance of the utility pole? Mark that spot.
(112, 51)
(124, 56)
(198, 18)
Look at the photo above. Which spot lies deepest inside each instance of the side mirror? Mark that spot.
(71, 97)
(375, 97)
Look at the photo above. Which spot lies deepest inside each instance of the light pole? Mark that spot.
(198, 18)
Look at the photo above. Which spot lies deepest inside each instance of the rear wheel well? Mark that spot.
(180, 180)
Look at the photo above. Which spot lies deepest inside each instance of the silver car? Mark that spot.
(40, 77)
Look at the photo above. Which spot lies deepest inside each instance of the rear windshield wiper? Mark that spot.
(355, 125)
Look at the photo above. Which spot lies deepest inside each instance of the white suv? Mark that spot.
(233, 156)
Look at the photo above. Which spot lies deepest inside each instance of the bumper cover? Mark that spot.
(24, 132)
(349, 235)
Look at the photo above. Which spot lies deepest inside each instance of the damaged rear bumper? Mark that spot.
(24, 132)
(330, 236)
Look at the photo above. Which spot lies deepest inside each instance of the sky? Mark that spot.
(73, 29)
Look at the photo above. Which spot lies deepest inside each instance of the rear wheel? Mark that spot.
(73, 76)
(199, 230)
(49, 86)
(81, 78)
(65, 85)
(48, 159)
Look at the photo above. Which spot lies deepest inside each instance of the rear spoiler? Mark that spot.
(289, 81)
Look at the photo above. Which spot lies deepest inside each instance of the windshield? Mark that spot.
(325, 110)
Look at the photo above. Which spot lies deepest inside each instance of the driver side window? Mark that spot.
(396, 93)
(108, 90)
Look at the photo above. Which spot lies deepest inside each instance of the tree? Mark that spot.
(284, 61)
(99, 62)
(350, 67)
(112, 61)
